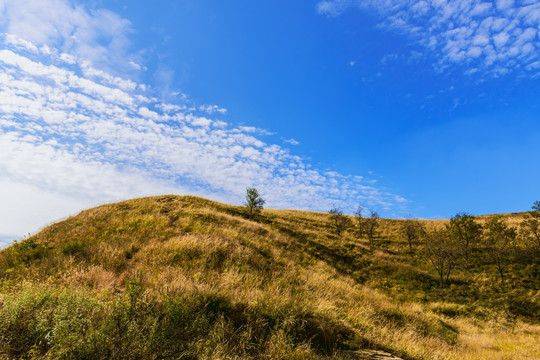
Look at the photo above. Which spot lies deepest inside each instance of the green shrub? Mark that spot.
(28, 250)
(72, 249)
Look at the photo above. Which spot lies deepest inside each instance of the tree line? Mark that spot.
(448, 248)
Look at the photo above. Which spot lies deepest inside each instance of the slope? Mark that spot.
(185, 278)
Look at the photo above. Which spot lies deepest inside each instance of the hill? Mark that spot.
(188, 278)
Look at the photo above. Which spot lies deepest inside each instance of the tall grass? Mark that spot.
(187, 278)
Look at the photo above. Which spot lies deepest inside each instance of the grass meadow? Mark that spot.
(174, 277)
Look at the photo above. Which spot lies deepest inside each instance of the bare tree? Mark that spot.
(360, 220)
(500, 244)
(254, 201)
(413, 230)
(467, 231)
(444, 253)
(339, 221)
(371, 225)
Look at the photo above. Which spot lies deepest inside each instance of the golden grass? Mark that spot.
(520, 341)
(283, 262)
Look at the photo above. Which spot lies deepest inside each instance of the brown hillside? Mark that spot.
(188, 278)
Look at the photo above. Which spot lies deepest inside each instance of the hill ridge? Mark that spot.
(280, 285)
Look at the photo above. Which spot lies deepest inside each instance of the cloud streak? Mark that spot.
(71, 130)
(496, 37)
(74, 134)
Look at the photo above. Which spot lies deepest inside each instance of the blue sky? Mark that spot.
(421, 108)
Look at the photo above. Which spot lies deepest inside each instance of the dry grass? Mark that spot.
(290, 287)
(520, 341)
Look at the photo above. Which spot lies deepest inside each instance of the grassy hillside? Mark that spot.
(187, 278)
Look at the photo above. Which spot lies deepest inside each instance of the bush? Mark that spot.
(72, 249)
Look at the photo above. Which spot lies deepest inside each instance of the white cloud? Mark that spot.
(97, 35)
(68, 59)
(20, 43)
(501, 39)
(75, 133)
(211, 109)
(472, 33)
(504, 4)
(136, 66)
(334, 7)
(72, 136)
(292, 142)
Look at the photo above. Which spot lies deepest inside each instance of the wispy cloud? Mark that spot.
(96, 35)
(73, 135)
(292, 142)
(497, 37)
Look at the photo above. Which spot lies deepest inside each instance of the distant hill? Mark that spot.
(173, 277)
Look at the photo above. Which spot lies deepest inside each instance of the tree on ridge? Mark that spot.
(413, 230)
(371, 225)
(254, 201)
(339, 221)
(360, 220)
(530, 227)
(465, 229)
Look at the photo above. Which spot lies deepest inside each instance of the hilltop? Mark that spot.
(185, 277)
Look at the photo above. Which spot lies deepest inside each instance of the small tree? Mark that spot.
(500, 244)
(413, 230)
(339, 221)
(371, 225)
(360, 220)
(536, 209)
(467, 231)
(530, 227)
(444, 253)
(254, 201)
